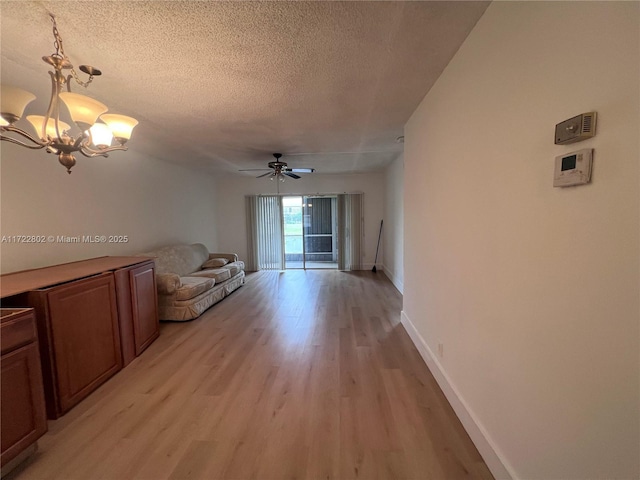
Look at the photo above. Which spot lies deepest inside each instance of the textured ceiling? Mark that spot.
(222, 85)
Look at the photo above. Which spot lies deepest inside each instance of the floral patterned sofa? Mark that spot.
(190, 279)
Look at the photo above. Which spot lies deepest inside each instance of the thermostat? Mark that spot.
(573, 168)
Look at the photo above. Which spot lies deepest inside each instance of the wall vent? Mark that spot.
(576, 129)
(587, 123)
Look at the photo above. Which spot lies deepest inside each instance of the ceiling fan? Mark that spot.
(277, 170)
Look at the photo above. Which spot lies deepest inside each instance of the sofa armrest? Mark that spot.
(232, 257)
(167, 283)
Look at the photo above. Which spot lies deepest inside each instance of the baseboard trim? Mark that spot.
(491, 455)
(396, 282)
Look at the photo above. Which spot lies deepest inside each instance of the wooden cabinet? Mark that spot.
(79, 337)
(138, 309)
(93, 317)
(146, 325)
(23, 416)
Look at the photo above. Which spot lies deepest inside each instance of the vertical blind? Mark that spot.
(266, 232)
(350, 210)
(266, 235)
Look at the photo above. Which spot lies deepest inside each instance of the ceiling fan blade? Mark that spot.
(301, 170)
(254, 169)
(292, 175)
(264, 175)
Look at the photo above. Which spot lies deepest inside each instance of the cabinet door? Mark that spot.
(144, 301)
(85, 336)
(23, 416)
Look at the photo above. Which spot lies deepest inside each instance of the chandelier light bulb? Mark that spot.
(101, 135)
(38, 120)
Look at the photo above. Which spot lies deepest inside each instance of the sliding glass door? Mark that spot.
(293, 232)
(310, 238)
(296, 231)
(320, 232)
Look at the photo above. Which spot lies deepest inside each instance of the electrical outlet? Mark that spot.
(440, 349)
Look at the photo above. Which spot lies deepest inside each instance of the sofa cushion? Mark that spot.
(193, 286)
(179, 259)
(233, 268)
(215, 263)
(232, 257)
(239, 263)
(167, 283)
(219, 274)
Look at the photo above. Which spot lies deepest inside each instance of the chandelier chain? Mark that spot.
(60, 53)
(57, 39)
(80, 82)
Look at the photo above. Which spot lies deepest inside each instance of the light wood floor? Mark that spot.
(304, 375)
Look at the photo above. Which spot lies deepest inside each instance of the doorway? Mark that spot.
(310, 231)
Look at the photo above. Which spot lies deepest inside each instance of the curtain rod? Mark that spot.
(300, 194)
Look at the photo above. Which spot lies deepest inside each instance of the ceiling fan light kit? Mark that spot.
(280, 170)
(52, 133)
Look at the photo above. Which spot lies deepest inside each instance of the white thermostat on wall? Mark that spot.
(573, 168)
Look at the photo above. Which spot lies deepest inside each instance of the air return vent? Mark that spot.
(587, 122)
(576, 129)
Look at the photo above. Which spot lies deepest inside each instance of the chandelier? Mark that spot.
(53, 134)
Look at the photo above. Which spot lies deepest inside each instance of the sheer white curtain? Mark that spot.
(350, 210)
(266, 235)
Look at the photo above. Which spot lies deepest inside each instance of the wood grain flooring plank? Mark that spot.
(296, 375)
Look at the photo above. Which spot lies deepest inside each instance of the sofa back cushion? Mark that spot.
(179, 259)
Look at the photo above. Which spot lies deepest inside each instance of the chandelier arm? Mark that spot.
(50, 109)
(38, 145)
(78, 145)
(94, 154)
(19, 131)
(124, 148)
(90, 152)
(56, 112)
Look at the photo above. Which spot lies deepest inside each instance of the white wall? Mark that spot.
(152, 202)
(232, 233)
(532, 290)
(393, 231)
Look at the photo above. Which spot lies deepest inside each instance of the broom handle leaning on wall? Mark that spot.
(377, 248)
